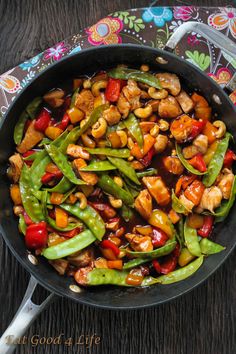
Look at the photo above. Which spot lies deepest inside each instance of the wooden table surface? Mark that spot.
(202, 321)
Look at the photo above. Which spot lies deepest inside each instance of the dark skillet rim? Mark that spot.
(31, 269)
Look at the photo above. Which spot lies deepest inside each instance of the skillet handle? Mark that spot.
(26, 314)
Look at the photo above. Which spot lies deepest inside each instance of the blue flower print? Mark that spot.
(157, 14)
(75, 50)
(27, 65)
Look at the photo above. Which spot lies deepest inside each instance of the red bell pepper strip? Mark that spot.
(48, 177)
(147, 159)
(26, 154)
(169, 264)
(198, 163)
(36, 235)
(64, 122)
(113, 89)
(229, 158)
(207, 226)
(111, 246)
(197, 127)
(156, 265)
(42, 121)
(159, 237)
(28, 220)
(70, 233)
(105, 210)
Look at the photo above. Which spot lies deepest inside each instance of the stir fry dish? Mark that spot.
(119, 178)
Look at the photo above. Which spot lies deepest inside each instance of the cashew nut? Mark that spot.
(161, 143)
(82, 199)
(143, 112)
(83, 122)
(58, 93)
(87, 84)
(99, 128)
(118, 180)
(157, 94)
(97, 86)
(123, 137)
(221, 128)
(154, 131)
(87, 141)
(144, 67)
(163, 125)
(116, 203)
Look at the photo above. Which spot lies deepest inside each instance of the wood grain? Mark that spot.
(202, 321)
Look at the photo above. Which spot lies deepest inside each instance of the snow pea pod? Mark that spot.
(216, 162)
(62, 187)
(33, 107)
(158, 252)
(210, 247)
(177, 205)
(148, 172)
(133, 127)
(123, 153)
(33, 156)
(39, 195)
(89, 216)
(186, 164)
(75, 133)
(176, 275)
(37, 169)
(223, 210)
(125, 168)
(180, 234)
(135, 262)
(62, 163)
(137, 75)
(75, 244)
(126, 213)
(19, 127)
(107, 184)
(31, 204)
(73, 98)
(98, 166)
(107, 277)
(45, 141)
(191, 240)
(22, 224)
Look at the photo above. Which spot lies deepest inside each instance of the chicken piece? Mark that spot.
(132, 93)
(140, 243)
(185, 102)
(89, 177)
(143, 204)
(169, 108)
(81, 275)
(157, 189)
(173, 165)
(123, 105)
(82, 258)
(201, 107)
(201, 143)
(32, 137)
(181, 128)
(190, 151)
(186, 202)
(85, 101)
(170, 82)
(112, 115)
(60, 265)
(77, 151)
(16, 164)
(225, 182)
(211, 198)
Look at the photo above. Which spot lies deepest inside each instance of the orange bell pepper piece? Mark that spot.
(56, 198)
(116, 264)
(174, 217)
(210, 131)
(149, 141)
(15, 194)
(53, 132)
(133, 279)
(194, 192)
(61, 217)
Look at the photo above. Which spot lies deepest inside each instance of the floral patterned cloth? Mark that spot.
(151, 26)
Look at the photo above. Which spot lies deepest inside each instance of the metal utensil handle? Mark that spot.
(214, 36)
(26, 314)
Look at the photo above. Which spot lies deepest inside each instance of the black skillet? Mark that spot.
(91, 60)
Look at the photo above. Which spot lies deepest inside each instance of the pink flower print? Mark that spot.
(55, 52)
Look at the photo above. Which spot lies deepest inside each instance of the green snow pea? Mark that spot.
(130, 187)
(33, 156)
(148, 172)
(135, 263)
(223, 210)
(73, 98)
(62, 163)
(125, 168)
(98, 166)
(19, 127)
(191, 240)
(186, 164)
(176, 275)
(39, 195)
(75, 133)
(137, 75)
(75, 244)
(62, 187)
(22, 224)
(216, 162)
(37, 170)
(107, 184)
(133, 126)
(158, 252)
(89, 216)
(45, 141)
(33, 107)
(177, 205)
(123, 153)
(107, 277)
(180, 236)
(126, 213)
(210, 247)
(31, 204)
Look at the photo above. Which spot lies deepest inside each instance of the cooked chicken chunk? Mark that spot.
(201, 143)
(140, 243)
(186, 202)
(112, 115)
(77, 151)
(225, 182)
(143, 204)
(129, 98)
(82, 258)
(81, 275)
(173, 165)
(211, 198)
(170, 82)
(181, 128)
(85, 101)
(60, 265)
(185, 102)
(32, 137)
(157, 189)
(89, 177)
(169, 108)
(14, 171)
